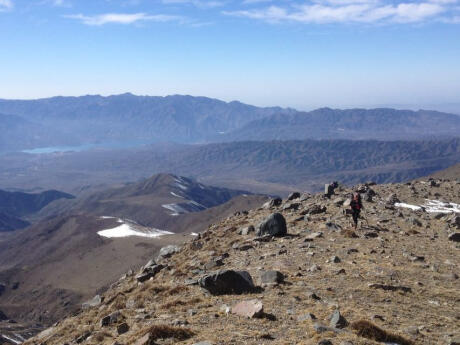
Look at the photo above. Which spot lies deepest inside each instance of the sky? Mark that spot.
(293, 53)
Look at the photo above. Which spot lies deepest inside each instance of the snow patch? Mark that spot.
(193, 234)
(404, 205)
(175, 208)
(127, 230)
(11, 339)
(177, 195)
(433, 206)
(441, 207)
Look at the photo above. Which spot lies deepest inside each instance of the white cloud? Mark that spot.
(349, 11)
(196, 3)
(121, 18)
(5, 5)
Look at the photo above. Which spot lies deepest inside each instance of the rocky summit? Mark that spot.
(305, 276)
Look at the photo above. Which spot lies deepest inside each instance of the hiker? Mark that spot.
(356, 206)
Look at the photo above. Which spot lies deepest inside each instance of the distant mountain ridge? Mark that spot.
(267, 167)
(356, 124)
(73, 121)
(90, 119)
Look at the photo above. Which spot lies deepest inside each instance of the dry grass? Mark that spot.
(179, 302)
(368, 330)
(176, 290)
(165, 331)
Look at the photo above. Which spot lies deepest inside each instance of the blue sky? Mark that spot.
(297, 53)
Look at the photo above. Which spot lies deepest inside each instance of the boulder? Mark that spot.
(167, 252)
(227, 282)
(2, 288)
(271, 277)
(250, 309)
(274, 225)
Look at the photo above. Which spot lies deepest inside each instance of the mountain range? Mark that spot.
(134, 120)
(270, 167)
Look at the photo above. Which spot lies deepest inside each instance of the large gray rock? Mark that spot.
(274, 225)
(227, 282)
(167, 252)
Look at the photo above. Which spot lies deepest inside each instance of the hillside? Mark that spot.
(452, 173)
(51, 267)
(356, 124)
(17, 205)
(394, 280)
(273, 167)
(160, 201)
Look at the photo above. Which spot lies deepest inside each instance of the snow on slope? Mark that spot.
(128, 229)
(433, 206)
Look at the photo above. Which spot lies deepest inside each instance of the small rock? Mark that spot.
(246, 230)
(455, 237)
(305, 317)
(167, 252)
(271, 277)
(314, 235)
(333, 227)
(94, 302)
(337, 320)
(325, 342)
(110, 319)
(122, 328)
(250, 309)
(335, 259)
(294, 195)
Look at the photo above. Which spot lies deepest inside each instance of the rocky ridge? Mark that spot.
(247, 281)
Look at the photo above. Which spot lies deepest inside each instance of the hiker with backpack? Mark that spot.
(356, 206)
